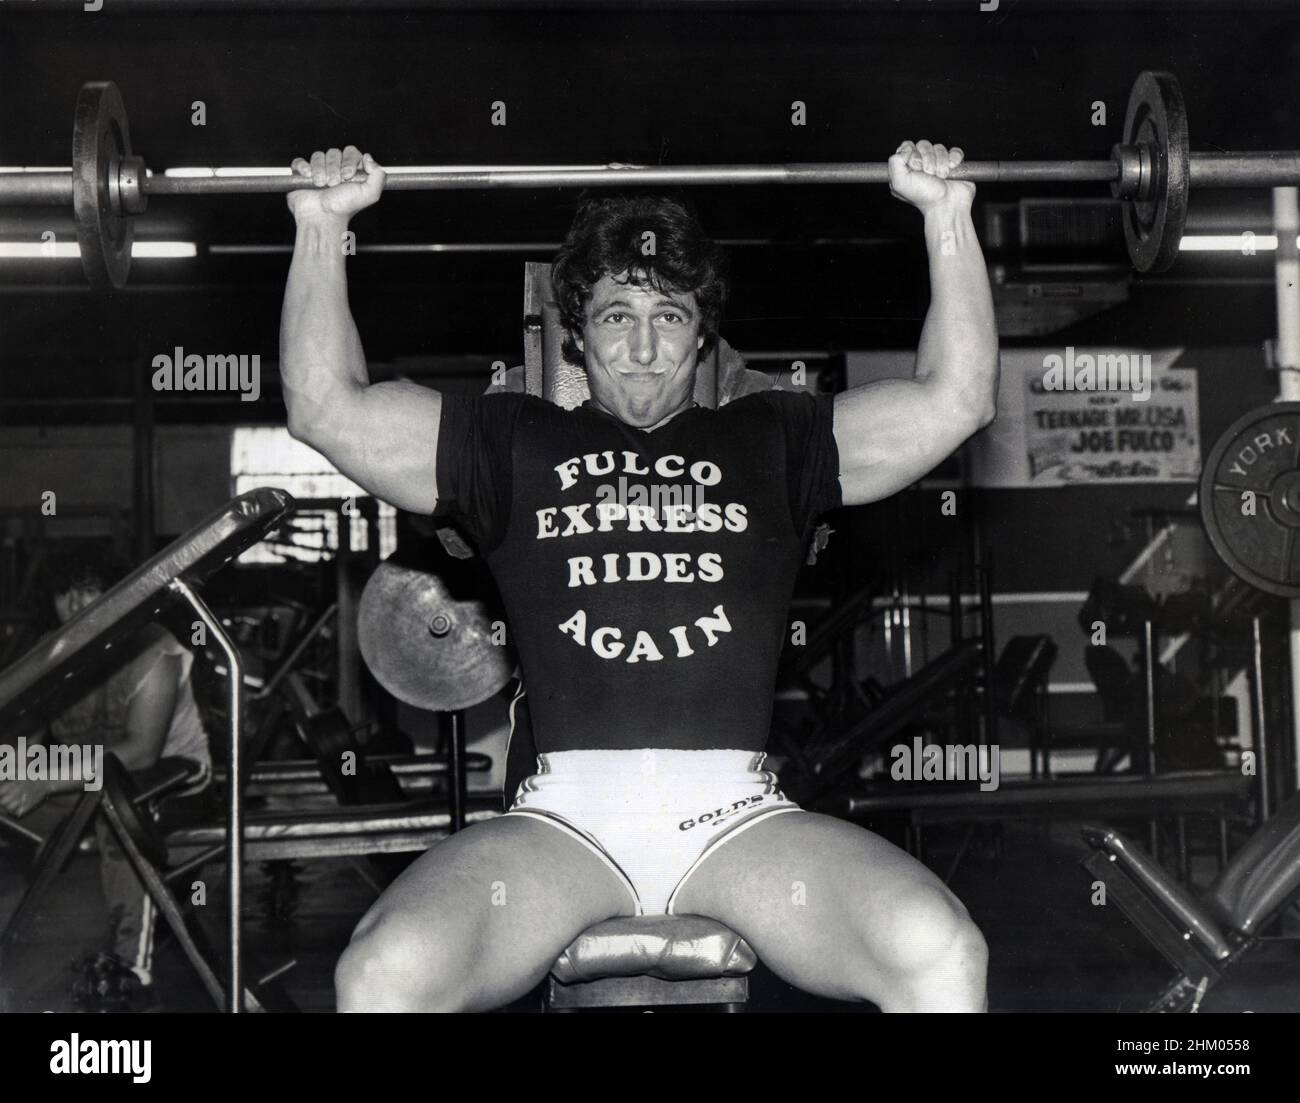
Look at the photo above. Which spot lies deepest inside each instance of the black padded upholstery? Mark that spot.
(1161, 887)
(1263, 875)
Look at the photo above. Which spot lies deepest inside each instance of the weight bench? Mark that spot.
(354, 831)
(416, 774)
(1203, 937)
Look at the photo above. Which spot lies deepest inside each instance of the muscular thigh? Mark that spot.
(490, 908)
(825, 904)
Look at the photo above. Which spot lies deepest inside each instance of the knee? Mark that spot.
(390, 965)
(929, 934)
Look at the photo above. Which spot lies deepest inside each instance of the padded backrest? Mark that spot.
(1263, 876)
(1160, 887)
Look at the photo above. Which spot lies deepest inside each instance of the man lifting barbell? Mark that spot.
(651, 694)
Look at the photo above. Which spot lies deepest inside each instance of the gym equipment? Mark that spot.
(353, 832)
(1154, 171)
(833, 760)
(138, 835)
(433, 652)
(101, 145)
(40, 684)
(330, 737)
(424, 647)
(131, 816)
(63, 666)
(829, 756)
(1250, 498)
(643, 962)
(417, 774)
(1151, 170)
(1205, 937)
(1216, 794)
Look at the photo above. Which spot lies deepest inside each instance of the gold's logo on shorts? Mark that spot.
(723, 813)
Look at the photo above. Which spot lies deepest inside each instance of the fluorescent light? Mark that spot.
(70, 250)
(36, 250)
(1227, 243)
(168, 250)
(35, 168)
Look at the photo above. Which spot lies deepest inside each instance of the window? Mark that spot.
(268, 456)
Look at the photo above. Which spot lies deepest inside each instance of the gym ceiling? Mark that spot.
(828, 267)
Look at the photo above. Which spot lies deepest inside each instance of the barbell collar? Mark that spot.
(129, 196)
(1129, 161)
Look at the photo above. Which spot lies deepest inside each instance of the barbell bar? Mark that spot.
(1209, 170)
(1150, 171)
(55, 188)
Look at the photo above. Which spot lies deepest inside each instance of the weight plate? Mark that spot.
(1157, 120)
(1259, 453)
(425, 647)
(100, 139)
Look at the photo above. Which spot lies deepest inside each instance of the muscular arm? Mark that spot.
(383, 436)
(892, 432)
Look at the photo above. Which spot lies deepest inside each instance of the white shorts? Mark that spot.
(651, 815)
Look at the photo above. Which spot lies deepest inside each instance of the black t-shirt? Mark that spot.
(646, 575)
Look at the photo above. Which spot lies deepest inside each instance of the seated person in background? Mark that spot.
(141, 712)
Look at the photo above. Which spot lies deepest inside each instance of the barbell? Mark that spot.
(1151, 171)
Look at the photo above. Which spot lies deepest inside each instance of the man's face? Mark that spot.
(70, 604)
(640, 347)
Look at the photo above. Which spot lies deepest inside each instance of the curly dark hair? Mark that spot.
(606, 238)
(74, 563)
(65, 565)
